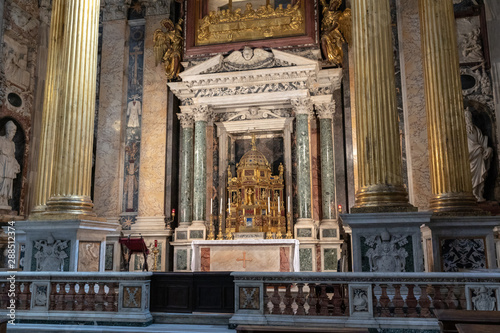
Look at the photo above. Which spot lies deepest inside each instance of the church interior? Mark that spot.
(252, 164)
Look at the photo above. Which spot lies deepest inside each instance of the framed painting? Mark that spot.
(218, 26)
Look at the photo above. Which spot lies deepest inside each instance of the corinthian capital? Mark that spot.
(302, 106)
(325, 110)
(186, 120)
(202, 113)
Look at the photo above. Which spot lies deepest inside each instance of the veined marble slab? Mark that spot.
(249, 255)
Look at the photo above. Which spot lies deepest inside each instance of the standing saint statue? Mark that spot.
(336, 28)
(479, 156)
(9, 168)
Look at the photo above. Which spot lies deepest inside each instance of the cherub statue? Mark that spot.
(168, 47)
(336, 29)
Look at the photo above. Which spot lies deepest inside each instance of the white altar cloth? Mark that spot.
(244, 245)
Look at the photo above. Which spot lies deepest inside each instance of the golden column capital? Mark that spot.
(449, 156)
(77, 63)
(379, 152)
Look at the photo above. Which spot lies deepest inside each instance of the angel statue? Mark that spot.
(168, 47)
(336, 29)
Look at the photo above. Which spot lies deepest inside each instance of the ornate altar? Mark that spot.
(255, 196)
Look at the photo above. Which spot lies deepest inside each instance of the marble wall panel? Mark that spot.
(108, 162)
(154, 129)
(419, 184)
(253, 259)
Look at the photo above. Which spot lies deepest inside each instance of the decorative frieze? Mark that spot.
(115, 9)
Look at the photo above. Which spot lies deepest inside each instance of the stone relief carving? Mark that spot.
(481, 91)
(157, 7)
(115, 9)
(51, 254)
(469, 40)
(479, 156)
(483, 301)
(254, 113)
(463, 253)
(360, 300)
(9, 167)
(247, 59)
(16, 63)
(384, 255)
(40, 295)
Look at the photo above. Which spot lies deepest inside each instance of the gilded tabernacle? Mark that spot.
(247, 23)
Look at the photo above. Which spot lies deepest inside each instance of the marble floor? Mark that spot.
(163, 328)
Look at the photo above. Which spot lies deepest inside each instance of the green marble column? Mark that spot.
(325, 115)
(186, 165)
(200, 163)
(303, 109)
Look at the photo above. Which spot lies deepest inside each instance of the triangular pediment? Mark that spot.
(246, 60)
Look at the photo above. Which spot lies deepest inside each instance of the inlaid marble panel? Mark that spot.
(132, 297)
(205, 260)
(284, 259)
(460, 254)
(108, 261)
(305, 257)
(249, 298)
(330, 259)
(154, 129)
(181, 260)
(88, 256)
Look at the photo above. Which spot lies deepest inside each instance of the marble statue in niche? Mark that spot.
(384, 255)
(9, 167)
(479, 156)
(483, 301)
(50, 255)
(134, 110)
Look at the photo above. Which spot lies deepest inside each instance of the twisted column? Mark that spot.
(449, 155)
(77, 63)
(49, 115)
(325, 114)
(379, 152)
(201, 115)
(186, 206)
(303, 110)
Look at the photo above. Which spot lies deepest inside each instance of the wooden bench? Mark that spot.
(293, 329)
(3, 325)
(475, 328)
(448, 319)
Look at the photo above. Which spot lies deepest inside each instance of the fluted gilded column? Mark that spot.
(77, 61)
(50, 108)
(379, 152)
(303, 110)
(449, 155)
(186, 165)
(325, 114)
(201, 114)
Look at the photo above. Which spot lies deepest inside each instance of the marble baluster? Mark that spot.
(71, 181)
(186, 207)
(49, 116)
(325, 114)
(201, 114)
(303, 110)
(449, 155)
(380, 181)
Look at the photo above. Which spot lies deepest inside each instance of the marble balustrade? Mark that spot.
(117, 297)
(379, 299)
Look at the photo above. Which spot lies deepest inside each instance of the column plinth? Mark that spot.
(379, 152)
(449, 155)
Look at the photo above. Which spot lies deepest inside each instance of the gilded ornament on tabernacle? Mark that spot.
(336, 28)
(240, 24)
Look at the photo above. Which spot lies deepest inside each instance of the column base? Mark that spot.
(456, 203)
(457, 244)
(329, 230)
(74, 245)
(386, 242)
(197, 231)
(75, 205)
(382, 198)
(305, 229)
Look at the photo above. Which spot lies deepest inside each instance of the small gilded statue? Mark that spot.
(336, 29)
(168, 47)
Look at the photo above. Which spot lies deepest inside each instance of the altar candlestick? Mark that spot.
(220, 206)
(268, 205)
(279, 207)
(289, 204)
(211, 206)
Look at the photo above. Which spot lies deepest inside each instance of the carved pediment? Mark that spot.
(246, 60)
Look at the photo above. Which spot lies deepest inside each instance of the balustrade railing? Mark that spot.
(107, 296)
(376, 297)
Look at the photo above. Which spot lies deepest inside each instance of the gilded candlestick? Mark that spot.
(289, 234)
(279, 235)
(220, 235)
(211, 235)
(269, 234)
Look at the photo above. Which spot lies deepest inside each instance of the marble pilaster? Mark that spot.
(303, 110)
(200, 164)
(154, 132)
(186, 206)
(108, 165)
